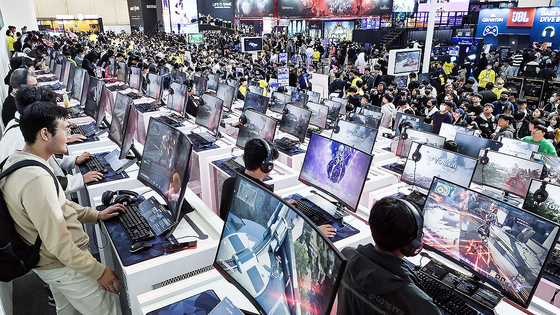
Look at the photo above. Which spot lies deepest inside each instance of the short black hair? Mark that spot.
(537, 121)
(391, 223)
(255, 153)
(540, 127)
(507, 117)
(40, 115)
(389, 97)
(27, 95)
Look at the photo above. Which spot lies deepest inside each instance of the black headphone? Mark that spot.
(336, 128)
(403, 129)
(243, 119)
(484, 159)
(541, 194)
(268, 164)
(414, 245)
(38, 93)
(189, 84)
(416, 156)
(110, 197)
(349, 107)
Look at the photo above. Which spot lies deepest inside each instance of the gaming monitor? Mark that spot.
(336, 169)
(405, 117)
(58, 68)
(210, 114)
(299, 99)
(506, 172)
(401, 81)
(549, 208)
(449, 131)
(135, 80)
(195, 38)
(314, 97)
(427, 138)
(111, 67)
(295, 121)
(122, 72)
(518, 148)
(404, 61)
(552, 166)
(371, 122)
(80, 85)
(106, 101)
(356, 136)
(227, 94)
(93, 98)
(155, 86)
(278, 101)
(250, 44)
(470, 145)
(165, 164)
(200, 85)
(68, 69)
(213, 81)
(180, 77)
(119, 116)
(257, 102)
(319, 114)
(257, 126)
(177, 100)
(505, 246)
(275, 255)
(130, 124)
(436, 162)
(407, 123)
(255, 89)
(375, 111)
(334, 109)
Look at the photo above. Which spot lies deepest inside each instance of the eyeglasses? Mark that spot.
(67, 129)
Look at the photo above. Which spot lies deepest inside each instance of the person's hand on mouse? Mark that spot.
(92, 177)
(111, 211)
(328, 230)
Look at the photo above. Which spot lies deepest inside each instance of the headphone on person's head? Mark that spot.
(271, 153)
(110, 197)
(416, 156)
(414, 245)
(541, 194)
(484, 158)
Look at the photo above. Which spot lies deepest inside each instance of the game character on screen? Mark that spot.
(336, 169)
(377, 280)
(174, 188)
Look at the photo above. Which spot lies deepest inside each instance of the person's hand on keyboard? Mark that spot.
(293, 202)
(76, 138)
(92, 177)
(82, 158)
(111, 211)
(328, 230)
(73, 125)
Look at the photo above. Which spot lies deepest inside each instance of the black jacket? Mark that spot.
(377, 283)
(486, 126)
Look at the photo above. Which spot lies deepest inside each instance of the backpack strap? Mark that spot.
(25, 163)
(11, 127)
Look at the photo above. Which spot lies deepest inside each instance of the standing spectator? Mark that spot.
(388, 110)
(505, 122)
(486, 121)
(487, 75)
(442, 116)
(517, 60)
(521, 125)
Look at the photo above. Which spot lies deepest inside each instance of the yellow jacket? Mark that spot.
(486, 76)
(316, 56)
(11, 41)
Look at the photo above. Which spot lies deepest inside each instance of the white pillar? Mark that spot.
(429, 37)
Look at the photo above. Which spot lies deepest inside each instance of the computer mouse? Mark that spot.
(139, 246)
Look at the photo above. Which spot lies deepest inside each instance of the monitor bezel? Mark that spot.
(477, 139)
(305, 98)
(260, 96)
(281, 127)
(274, 94)
(214, 132)
(228, 106)
(333, 111)
(139, 74)
(130, 104)
(266, 117)
(181, 87)
(362, 126)
(160, 78)
(323, 126)
(127, 125)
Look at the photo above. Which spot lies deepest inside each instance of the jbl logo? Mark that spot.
(519, 17)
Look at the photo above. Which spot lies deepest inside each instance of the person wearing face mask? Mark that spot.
(486, 121)
(503, 105)
(443, 116)
(485, 76)
(499, 88)
(553, 102)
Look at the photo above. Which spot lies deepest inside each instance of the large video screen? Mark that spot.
(184, 16)
(277, 258)
(403, 5)
(376, 7)
(339, 7)
(407, 61)
(339, 30)
(254, 8)
(503, 244)
(297, 8)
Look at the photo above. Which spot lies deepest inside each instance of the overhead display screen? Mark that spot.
(184, 16)
(376, 7)
(254, 8)
(339, 7)
(298, 8)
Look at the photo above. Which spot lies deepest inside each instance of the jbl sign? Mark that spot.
(521, 17)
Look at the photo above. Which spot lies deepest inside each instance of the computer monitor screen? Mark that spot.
(257, 126)
(227, 94)
(93, 98)
(165, 164)
(67, 69)
(334, 109)
(367, 121)
(135, 78)
(277, 258)
(319, 114)
(155, 86)
(177, 100)
(407, 61)
(122, 72)
(552, 166)
(403, 145)
(436, 162)
(257, 102)
(116, 131)
(295, 121)
(314, 97)
(195, 38)
(550, 207)
(336, 169)
(278, 101)
(58, 68)
(401, 81)
(291, 89)
(180, 77)
(130, 124)
(407, 123)
(518, 148)
(213, 81)
(299, 99)
(111, 67)
(343, 101)
(356, 136)
(375, 111)
(507, 173)
(449, 131)
(200, 85)
(210, 114)
(502, 244)
(405, 117)
(107, 101)
(470, 145)
(255, 89)
(78, 85)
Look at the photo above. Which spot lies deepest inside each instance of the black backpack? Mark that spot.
(16, 257)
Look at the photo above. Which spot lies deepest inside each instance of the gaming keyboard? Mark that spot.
(46, 79)
(134, 96)
(445, 297)
(135, 225)
(117, 88)
(147, 107)
(93, 164)
(315, 216)
(172, 120)
(285, 143)
(203, 139)
(86, 130)
(233, 165)
(416, 198)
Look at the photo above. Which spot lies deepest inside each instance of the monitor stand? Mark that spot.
(133, 156)
(186, 208)
(103, 127)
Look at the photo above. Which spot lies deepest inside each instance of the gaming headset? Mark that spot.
(416, 156)
(268, 164)
(110, 197)
(404, 128)
(484, 159)
(38, 93)
(414, 245)
(541, 194)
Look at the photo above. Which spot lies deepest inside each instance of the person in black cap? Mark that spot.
(365, 102)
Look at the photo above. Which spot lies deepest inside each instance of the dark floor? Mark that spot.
(30, 296)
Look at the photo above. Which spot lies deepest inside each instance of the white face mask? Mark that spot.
(442, 107)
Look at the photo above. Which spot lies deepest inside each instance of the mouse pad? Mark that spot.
(200, 304)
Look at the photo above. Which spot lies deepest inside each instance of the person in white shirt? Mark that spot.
(388, 111)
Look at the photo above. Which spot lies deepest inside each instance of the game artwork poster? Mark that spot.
(298, 8)
(339, 7)
(254, 8)
(376, 7)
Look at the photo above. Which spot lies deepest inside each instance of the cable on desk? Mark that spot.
(106, 240)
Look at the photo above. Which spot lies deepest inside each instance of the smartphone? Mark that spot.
(170, 248)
